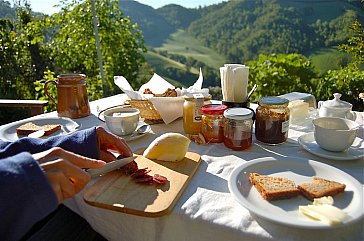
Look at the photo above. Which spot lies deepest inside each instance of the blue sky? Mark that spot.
(47, 6)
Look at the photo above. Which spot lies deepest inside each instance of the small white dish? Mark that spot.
(8, 132)
(356, 151)
(298, 170)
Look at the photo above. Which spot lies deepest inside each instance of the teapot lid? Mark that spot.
(337, 103)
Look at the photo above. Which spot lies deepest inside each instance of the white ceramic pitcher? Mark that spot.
(336, 108)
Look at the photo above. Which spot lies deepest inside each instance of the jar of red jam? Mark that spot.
(212, 122)
(272, 120)
(238, 125)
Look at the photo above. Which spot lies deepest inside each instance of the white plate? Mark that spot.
(8, 132)
(298, 170)
(135, 135)
(356, 151)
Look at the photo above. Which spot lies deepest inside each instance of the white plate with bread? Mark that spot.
(297, 171)
(52, 126)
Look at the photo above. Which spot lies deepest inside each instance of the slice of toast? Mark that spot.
(273, 188)
(30, 127)
(320, 187)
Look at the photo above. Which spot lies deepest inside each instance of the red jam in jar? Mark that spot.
(238, 125)
(212, 122)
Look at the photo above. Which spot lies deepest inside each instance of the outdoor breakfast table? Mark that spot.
(207, 210)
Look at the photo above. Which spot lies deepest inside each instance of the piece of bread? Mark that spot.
(273, 188)
(320, 187)
(30, 127)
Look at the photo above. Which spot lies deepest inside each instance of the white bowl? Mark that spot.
(335, 134)
(122, 121)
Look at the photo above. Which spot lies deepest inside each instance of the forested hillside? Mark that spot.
(241, 30)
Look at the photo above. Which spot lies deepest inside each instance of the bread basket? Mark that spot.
(147, 111)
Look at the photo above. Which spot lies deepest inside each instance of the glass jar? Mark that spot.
(192, 115)
(212, 122)
(272, 120)
(238, 125)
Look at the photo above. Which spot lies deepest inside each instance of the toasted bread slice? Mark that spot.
(274, 188)
(30, 127)
(320, 187)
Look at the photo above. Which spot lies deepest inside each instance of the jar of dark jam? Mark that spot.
(238, 126)
(272, 120)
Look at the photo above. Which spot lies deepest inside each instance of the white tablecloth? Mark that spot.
(206, 210)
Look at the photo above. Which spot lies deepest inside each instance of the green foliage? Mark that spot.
(355, 45)
(177, 16)
(35, 49)
(280, 74)
(241, 30)
(349, 80)
(74, 47)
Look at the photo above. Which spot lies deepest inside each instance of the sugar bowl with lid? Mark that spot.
(336, 108)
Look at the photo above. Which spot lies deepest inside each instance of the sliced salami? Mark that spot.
(141, 175)
(159, 179)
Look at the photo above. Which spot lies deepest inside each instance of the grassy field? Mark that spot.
(161, 64)
(182, 43)
(327, 58)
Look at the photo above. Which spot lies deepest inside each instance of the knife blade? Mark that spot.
(110, 166)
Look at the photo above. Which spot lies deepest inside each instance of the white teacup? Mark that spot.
(335, 134)
(122, 121)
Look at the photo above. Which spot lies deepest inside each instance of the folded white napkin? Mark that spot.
(234, 82)
(169, 108)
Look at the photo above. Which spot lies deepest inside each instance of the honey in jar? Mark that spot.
(238, 125)
(272, 120)
(192, 116)
(212, 122)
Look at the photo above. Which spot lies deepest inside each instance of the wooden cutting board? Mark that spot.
(118, 192)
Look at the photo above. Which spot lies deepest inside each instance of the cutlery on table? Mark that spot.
(110, 166)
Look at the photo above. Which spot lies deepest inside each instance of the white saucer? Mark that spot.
(135, 135)
(356, 151)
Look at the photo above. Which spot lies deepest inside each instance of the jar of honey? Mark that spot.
(238, 126)
(212, 122)
(272, 120)
(192, 115)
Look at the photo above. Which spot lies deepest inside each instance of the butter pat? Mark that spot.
(298, 110)
(324, 211)
(323, 200)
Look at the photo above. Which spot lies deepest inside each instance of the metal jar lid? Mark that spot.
(273, 100)
(238, 113)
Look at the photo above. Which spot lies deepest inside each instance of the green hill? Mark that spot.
(166, 67)
(181, 43)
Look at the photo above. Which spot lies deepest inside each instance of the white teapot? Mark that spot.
(336, 108)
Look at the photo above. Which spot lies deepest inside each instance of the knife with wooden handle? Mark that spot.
(110, 166)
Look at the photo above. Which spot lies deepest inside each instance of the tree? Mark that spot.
(279, 74)
(74, 48)
(348, 80)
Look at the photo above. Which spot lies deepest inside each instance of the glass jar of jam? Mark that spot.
(238, 125)
(212, 122)
(272, 120)
(192, 115)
